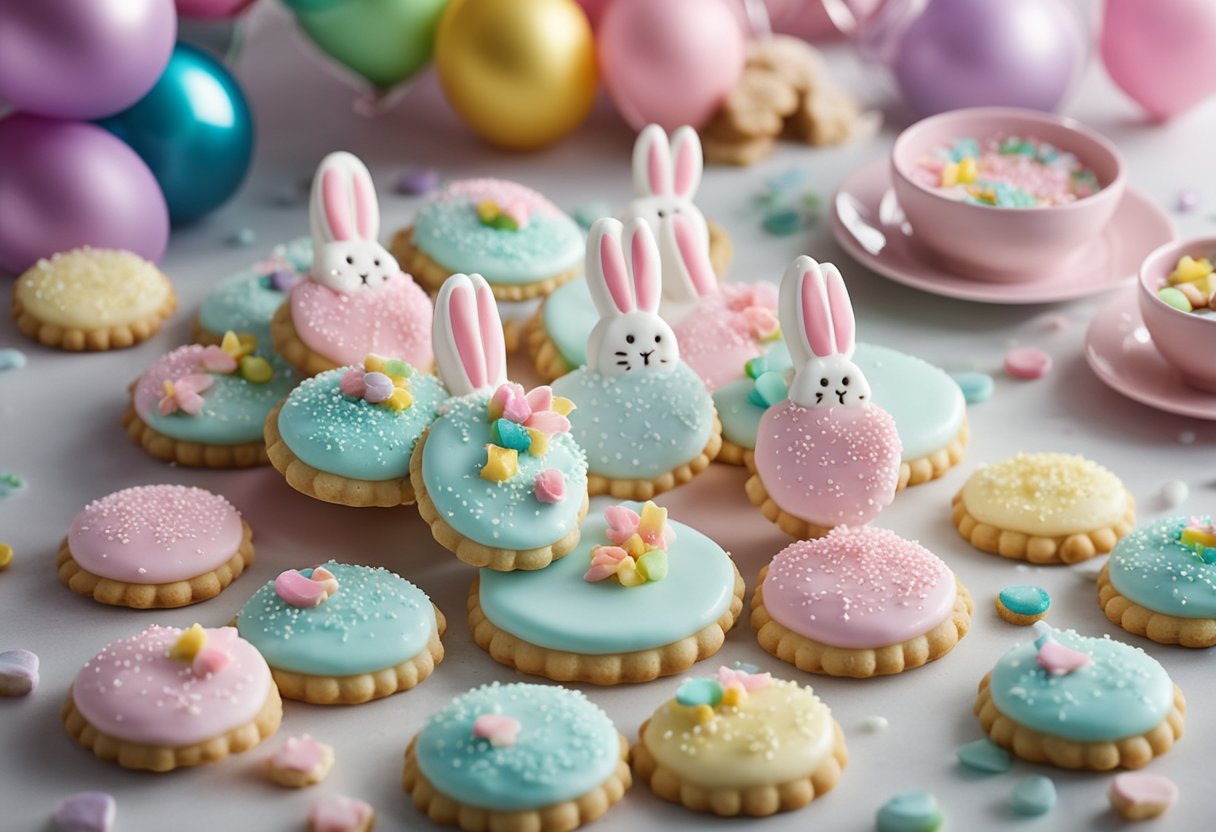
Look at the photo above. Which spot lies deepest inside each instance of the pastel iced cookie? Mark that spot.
(356, 300)
(300, 762)
(507, 756)
(1077, 702)
(1160, 582)
(741, 743)
(727, 327)
(246, 301)
(1044, 508)
(859, 602)
(155, 546)
(168, 698)
(346, 435)
(206, 405)
(520, 242)
(639, 597)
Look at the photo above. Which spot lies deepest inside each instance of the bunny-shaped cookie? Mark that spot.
(827, 456)
(625, 279)
(344, 218)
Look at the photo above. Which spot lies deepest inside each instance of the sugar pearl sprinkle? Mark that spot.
(107, 281)
(342, 424)
(1155, 555)
(1045, 484)
(169, 514)
(382, 320)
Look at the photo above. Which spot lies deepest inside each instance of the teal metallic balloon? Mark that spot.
(194, 130)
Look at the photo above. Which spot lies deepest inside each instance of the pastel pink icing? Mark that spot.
(301, 753)
(506, 193)
(858, 588)
(832, 466)
(183, 361)
(133, 691)
(393, 320)
(718, 336)
(338, 813)
(155, 534)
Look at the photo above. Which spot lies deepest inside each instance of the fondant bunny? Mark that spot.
(344, 218)
(624, 275)
(817, 319)
(665, 179)
(467, 336)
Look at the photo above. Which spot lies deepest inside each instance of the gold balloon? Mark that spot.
(521, 73)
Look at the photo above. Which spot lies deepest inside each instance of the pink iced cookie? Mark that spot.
(300, 761)
(393, 320)
(726, 329)
(337, 813)
(859, 588)
(1139, 796)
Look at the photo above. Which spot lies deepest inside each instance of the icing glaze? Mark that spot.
(375, 620)
(155, 534)
(233, 409)
(1025, 599)
(449, 231)
(1045, 494)
(638, 426)
(779, 733)
(566, 747)
(859, 588)
(133, 691)
(503, 514)
(303, 754)
(1152, 567)
(92, 287)
(351, 437)
(556, 609)
(568, 316)
(1121, 693)
(392, 319)
(727, 328)
(829, 465)
(247, 300)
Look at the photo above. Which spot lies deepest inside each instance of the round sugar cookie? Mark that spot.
(247, 300)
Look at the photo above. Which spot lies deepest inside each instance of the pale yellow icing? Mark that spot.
(1045, 494)
(778, 734)
(88, 288)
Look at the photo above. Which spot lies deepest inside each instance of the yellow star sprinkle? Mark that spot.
(501, 463)
(188, 644)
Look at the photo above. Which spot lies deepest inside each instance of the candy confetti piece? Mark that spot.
(86, 812)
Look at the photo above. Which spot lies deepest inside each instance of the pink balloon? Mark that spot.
(594, 9)
(670, 62)
(211, 9)
(64, 184)
(1160, 53)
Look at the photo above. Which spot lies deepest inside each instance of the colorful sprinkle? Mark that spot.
(1033, 796)
(550, 486)
(911, 812)
(11, 484)
(1027, 363)
(976, 387)
(306, 591)
(769, 389)
(1059, 660)
(502, 731)
(11, 359)
(86, 812)
(501, 463)
(1139, 796)
(986, 756)
(188, 644)
(18, 672)
(696, 692)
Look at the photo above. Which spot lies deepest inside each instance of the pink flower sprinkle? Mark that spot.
(215, 360)
(1059, 660)
(728, 676)
(502, 731)
(184, 394)
(605, 562)
(352, 383)
(550, 486)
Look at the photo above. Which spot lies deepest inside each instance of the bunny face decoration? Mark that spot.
(344, 217)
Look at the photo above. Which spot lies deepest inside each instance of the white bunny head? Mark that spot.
(467, 336)
(345, 221)
(665, 179)
(817, 319)
(625, 278)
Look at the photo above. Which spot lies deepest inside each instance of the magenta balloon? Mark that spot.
(211, 9)
(971, 53)
(65, 184)
(82, 59)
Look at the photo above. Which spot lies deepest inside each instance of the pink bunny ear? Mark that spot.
(686, 153)
(466, 332)
(334, 196)
(652, 162)
(694, 254)
(844, 325)
(493, 345)
(647, 270)
(367, 211)
(616, 277)
(816, 314)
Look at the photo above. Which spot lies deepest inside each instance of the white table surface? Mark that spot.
(59, 428)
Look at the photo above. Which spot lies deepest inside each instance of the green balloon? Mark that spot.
(385, 41)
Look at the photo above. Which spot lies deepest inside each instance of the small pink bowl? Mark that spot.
(1185, 340)
(1005, 245)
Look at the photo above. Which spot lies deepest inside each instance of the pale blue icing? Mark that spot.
(506, 514)
(1122, 693)
(566, 747)
(352, 438)
(638, 425)
(928, 407)
(1152, 568)
(246, 301)
(556, 609)
(569, 316)
(376, 620)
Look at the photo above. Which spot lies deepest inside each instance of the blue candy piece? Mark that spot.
(11, 359)
(10, 484)
(1025, 599)
(911, 812)
(510, 435)
(696, 692)
(976, 387)
(1032, 796)
(756, 367)
(587, 213)
(985, 755)
(964, 148)
(783, 223)
(769, 389)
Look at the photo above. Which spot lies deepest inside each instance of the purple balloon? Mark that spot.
(82, 59)
(64, 184)
(972, 53)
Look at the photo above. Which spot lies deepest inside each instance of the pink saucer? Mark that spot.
(1121, 353)
(869, 224)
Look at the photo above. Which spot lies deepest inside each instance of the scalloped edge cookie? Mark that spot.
(860, 663)
(1161, 627)
(556, 817)
(365, 687)
(648, 489)
(163, 758)
(788, 523)
(755, 801)
(1037, 747)
(191, 454)
(327, 487)
(199, 334)
(602, 669)
(154, 596)
(1069, 548)
(287, 343)
(478, 554)
(99, 339)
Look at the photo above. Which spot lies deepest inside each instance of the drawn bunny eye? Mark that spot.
(350, 261)
(823, 382)
(845, 381)
(658, 338)
(662, 213)
(376, 262)
(629, 339)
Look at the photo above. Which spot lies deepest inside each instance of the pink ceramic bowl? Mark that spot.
(1185, 340)
(1005, 245)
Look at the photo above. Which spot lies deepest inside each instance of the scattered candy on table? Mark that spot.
(11, 359)
(1135, 795)
(338, 813)
(1032, 796)
(1174, 493)
(911, 812)
(243, 237)
(1027, 363)
(416, 181)
(11, 484)
(976, 387)
(874, 724)
(18, 672)
(1006, 172)
(1023, 604)
(1188, 200)
(986, 756)
(86, 812)
(6, 556)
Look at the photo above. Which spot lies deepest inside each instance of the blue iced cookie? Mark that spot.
(247, 300)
